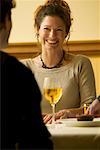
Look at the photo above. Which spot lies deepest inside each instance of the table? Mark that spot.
(75, 138)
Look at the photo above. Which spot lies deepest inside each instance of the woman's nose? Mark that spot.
(52, 33)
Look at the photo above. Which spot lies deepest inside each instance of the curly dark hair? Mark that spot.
(58, 8)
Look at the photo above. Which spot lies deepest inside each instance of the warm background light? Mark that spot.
(86, 24)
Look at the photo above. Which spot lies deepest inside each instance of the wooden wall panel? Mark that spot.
(26, 50)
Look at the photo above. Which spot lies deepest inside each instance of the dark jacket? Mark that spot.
(21, 119)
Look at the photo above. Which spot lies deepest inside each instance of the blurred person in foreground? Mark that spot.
(21, 121)
(52, 22)
(94, 108)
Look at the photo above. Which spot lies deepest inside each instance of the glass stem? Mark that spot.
(53, 113)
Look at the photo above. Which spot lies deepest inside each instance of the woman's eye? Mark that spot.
(59, 30)
(46, 29)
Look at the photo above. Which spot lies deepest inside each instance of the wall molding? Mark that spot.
(26, 50)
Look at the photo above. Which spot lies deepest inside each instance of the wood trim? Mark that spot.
(26, 50)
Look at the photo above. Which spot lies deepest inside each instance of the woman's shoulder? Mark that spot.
(77, 57)
(32, 61)
(82, 59)
(27, 62)
(77, 60)
(26, 59)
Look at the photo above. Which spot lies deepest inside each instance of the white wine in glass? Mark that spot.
(52, 92)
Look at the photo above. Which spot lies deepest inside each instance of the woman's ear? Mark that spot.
(37, 34)
(65, 35)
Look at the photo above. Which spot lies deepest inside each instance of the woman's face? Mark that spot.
(52, 33)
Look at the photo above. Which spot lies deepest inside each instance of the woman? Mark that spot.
(52, 23)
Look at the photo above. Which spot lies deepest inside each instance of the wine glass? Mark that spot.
(52, 91)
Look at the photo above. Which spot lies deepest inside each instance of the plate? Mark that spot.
(75, 123)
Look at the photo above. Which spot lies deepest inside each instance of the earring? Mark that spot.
(66, 41)
(37, 36)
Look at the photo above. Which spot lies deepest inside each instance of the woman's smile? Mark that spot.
(52, 43)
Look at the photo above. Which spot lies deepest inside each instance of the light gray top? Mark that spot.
(77, 79)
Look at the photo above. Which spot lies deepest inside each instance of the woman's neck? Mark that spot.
(51, 59)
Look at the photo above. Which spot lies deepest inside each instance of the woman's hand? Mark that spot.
(47, 118)
(94, 108)
(62, 114)
(66, 113)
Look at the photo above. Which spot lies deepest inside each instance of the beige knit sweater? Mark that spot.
(77, 80)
